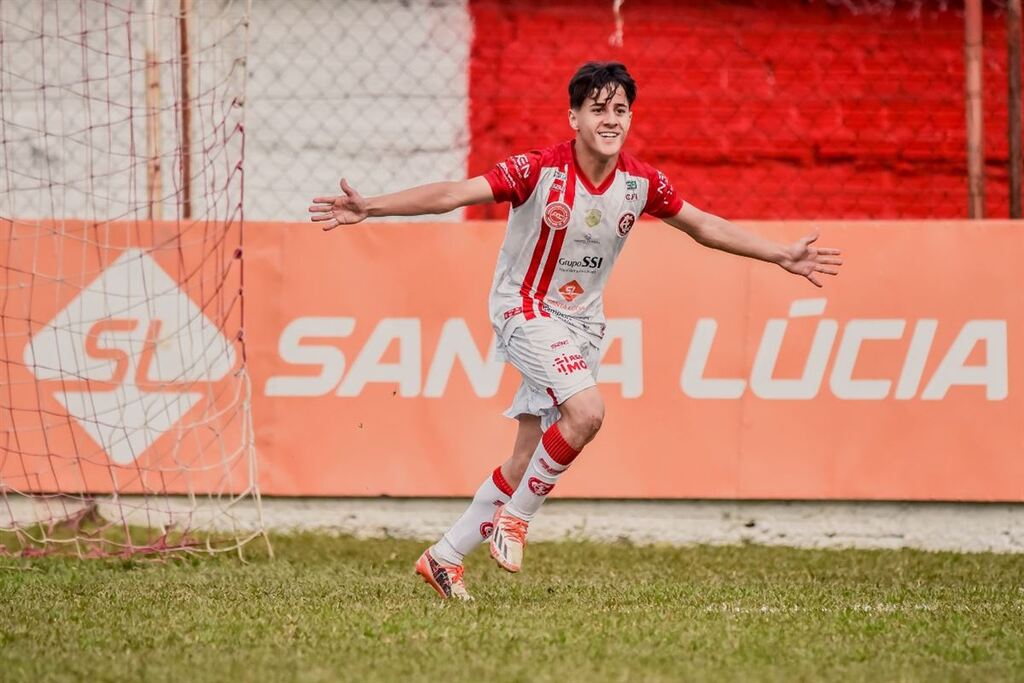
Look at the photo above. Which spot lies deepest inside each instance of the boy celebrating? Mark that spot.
(573, 207)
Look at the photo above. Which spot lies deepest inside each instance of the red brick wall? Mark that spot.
(755, 109)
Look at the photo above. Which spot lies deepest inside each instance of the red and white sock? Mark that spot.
(475, 525)
(552, 457)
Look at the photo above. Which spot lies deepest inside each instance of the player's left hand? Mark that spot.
(800, 258)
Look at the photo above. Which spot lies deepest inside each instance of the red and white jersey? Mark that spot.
(564, 234)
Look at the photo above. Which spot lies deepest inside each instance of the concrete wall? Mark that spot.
(374, 91)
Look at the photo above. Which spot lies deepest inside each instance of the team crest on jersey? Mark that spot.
(626, 222)
(592, 217)
(557, 215)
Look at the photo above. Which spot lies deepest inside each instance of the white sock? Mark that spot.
(475, 525)
(552, 457)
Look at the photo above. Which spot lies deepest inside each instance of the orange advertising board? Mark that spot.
(724, 377)
(373, 370)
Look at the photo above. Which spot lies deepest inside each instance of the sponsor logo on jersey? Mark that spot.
(592, 217)
(557, 215)
(626, 222)
(587, 240)
(663, 186)
(569, 363)
(512, 311)
(522, 164)
(509, 180)
(570, 290)
(630, 184)
(539, 488)
(559, 344)
(585, 264)
(564, 309)
(558, 184)
(632, 196)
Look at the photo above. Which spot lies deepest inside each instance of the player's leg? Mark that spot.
(571, 384)
(441, 564)
(527, 438)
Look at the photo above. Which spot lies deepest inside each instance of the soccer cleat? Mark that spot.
(508, 540)
(446, 579)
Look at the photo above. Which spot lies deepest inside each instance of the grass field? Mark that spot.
(331, 609)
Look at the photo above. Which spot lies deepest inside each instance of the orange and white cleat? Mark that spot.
(508, 540)
(446, 579)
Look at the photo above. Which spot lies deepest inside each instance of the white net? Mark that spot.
(125, 421)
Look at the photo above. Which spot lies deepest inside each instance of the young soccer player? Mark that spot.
(573, 207)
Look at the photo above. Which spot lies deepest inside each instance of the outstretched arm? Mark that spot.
(800, 258)
(350, 207)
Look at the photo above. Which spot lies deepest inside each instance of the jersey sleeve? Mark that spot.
(513, 179)
(662, 199)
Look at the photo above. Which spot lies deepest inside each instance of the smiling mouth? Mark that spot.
(608, 135)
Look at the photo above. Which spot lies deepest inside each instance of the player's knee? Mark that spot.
(591, 424)
(586, 417)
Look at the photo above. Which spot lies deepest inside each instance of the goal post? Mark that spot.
(125, 411)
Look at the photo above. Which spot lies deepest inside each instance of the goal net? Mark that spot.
(125, 422)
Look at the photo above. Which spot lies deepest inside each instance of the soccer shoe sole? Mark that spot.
(510, 568)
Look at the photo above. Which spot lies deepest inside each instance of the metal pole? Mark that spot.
(154, 186)
(186, 110)
(975, 136)
(1013, 40)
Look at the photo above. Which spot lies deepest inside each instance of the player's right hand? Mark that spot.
(345, 209)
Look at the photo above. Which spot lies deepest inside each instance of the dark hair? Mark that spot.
(594, 77)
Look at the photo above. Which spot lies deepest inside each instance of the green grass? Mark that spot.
(330, 609)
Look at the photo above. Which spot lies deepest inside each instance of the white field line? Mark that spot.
(876, 608)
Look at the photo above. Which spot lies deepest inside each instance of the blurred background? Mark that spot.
(756, 109)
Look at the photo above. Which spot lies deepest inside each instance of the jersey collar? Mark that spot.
(586, 181)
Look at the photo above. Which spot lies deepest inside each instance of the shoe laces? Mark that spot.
(454, 572)
(514, 527)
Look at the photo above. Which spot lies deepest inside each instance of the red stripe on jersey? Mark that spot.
(538, 253)
(556, 244)
(531, 273)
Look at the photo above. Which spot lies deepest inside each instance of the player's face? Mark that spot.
(602, 122)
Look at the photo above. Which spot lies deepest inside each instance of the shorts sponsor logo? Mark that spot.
(592, 217)
(569, 363)
(486, 529)
(570, 290)
(512, 312)
(626, 222)
(539, 488)
(557, 215)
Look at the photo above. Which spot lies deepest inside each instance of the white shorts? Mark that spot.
(555, 362)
